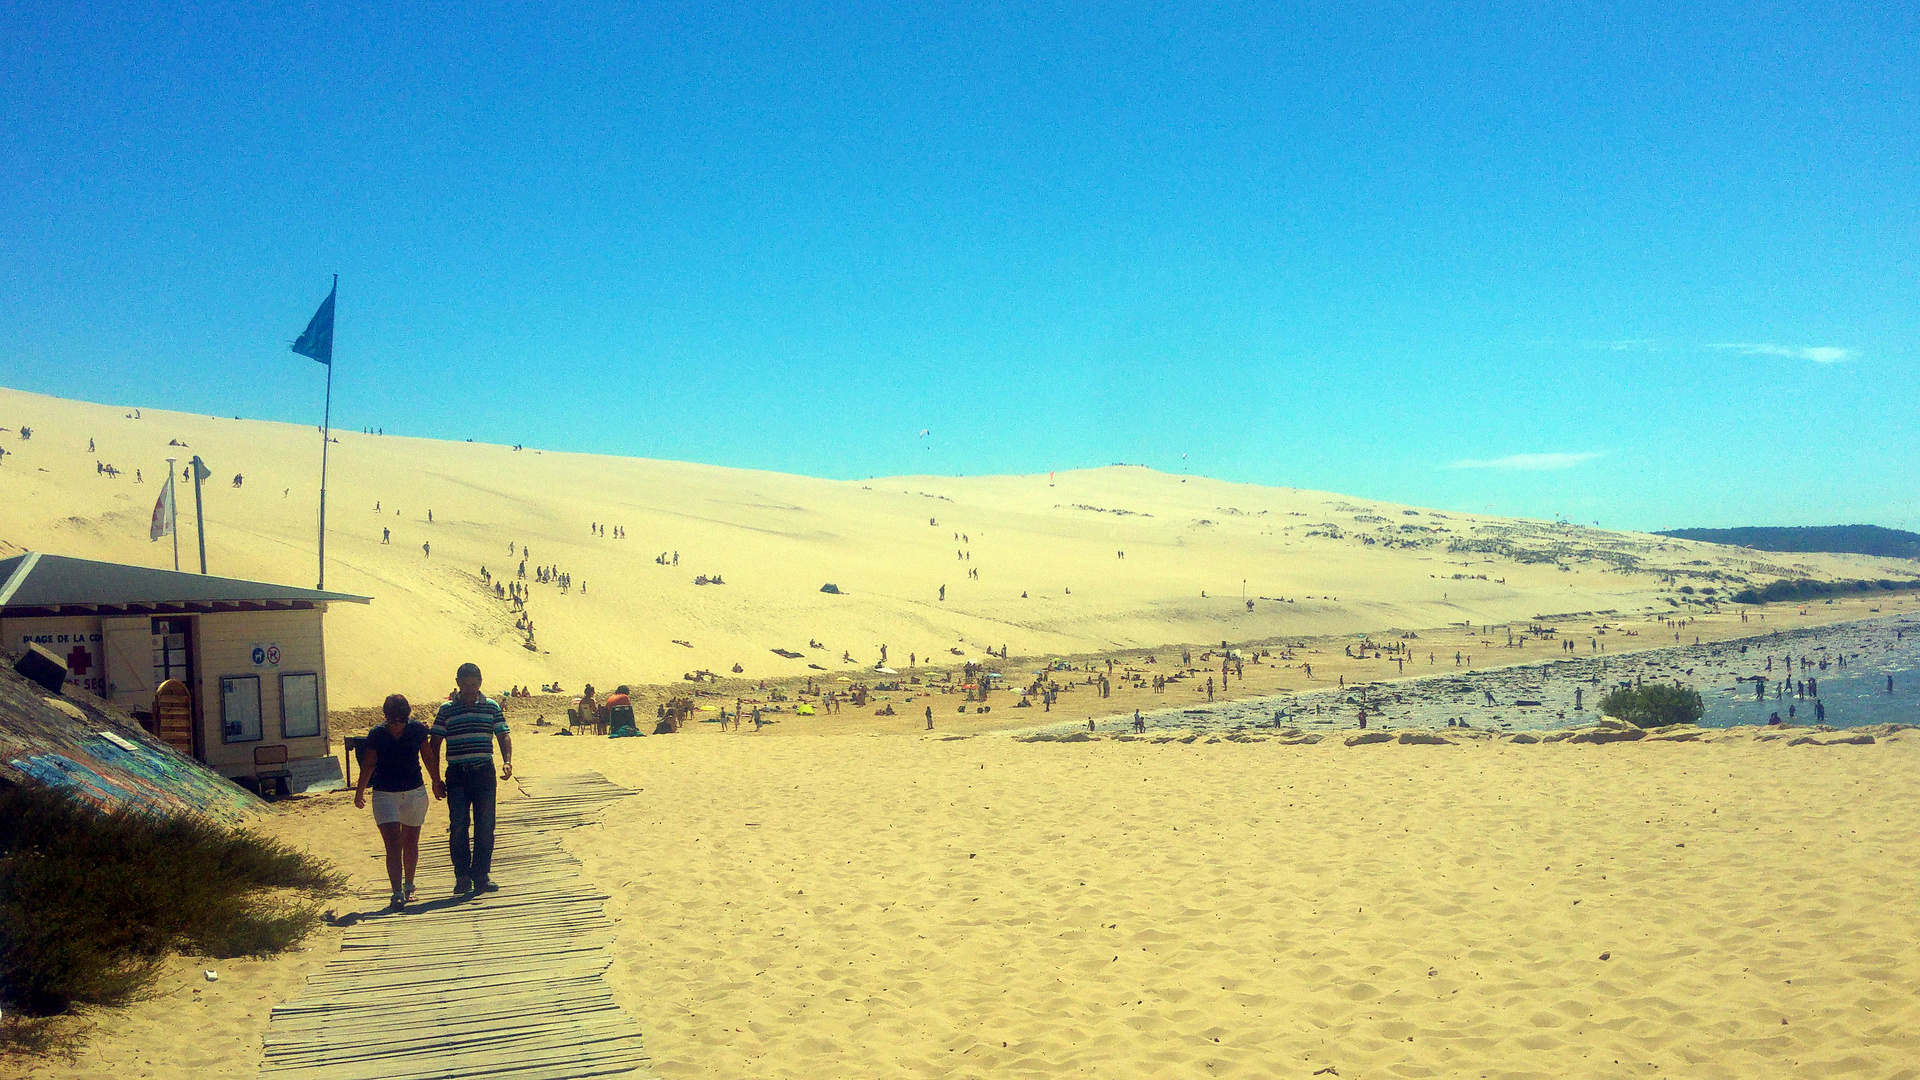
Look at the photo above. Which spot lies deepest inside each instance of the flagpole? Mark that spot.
(173, 514)
(317, 343)
(326, 436)
(199, 512)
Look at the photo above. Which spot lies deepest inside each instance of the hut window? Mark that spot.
(300, 705)
(240, 708)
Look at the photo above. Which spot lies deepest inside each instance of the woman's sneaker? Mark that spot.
(399, 900)
(408, 889)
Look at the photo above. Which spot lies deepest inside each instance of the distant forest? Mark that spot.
(1851, 539)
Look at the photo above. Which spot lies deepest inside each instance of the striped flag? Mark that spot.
(163, 511)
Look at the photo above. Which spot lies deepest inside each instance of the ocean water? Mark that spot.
(1854, 696)
(1565, 693)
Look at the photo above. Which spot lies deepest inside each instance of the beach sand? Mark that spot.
(865, 905)
(850, 895)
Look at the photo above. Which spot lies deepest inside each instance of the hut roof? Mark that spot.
(41, 584)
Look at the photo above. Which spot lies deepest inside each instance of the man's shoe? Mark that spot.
(486, 886)
(462, 886)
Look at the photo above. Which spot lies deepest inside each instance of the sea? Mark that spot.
(1863, 673)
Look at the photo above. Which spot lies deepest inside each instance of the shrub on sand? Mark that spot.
(1654, 705)
(91, 901)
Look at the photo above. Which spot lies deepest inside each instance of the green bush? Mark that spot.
(1805, 589)
(1654, 705)
(92, 902)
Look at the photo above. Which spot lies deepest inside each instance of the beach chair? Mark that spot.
(617, 717)
(270, 767)
(573, 720)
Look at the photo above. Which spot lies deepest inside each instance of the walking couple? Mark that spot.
(467, 724)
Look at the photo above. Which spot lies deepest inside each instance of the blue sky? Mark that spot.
(1643, 265)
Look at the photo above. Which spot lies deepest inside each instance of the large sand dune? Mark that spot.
(1046, 549)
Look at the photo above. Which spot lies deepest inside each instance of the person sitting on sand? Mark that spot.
(620, 709)
(391, 760)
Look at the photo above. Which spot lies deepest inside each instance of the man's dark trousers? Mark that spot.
(470, 791)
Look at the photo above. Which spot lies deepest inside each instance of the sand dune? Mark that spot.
(1312, 562)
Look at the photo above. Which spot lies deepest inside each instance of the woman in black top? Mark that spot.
(391, 760)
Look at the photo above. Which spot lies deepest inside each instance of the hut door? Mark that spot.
(130, 667)
(173, 712)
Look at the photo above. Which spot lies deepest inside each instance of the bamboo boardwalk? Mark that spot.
(505, 985)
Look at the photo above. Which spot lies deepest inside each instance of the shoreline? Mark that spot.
(1533, 696)
(1324, 670)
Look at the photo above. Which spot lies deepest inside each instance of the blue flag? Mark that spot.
(317, 342)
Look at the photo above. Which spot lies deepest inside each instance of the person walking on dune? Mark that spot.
(467, 725)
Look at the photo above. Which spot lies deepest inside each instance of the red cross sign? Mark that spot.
(79, 660)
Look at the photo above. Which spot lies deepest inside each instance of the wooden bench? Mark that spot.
(270, 766)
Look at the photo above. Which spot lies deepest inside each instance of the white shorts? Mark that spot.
(406, 807)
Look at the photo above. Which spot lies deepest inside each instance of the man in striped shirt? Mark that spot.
(468, 723)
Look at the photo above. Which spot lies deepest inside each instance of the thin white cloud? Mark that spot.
(1530, 462)
(1819, 354)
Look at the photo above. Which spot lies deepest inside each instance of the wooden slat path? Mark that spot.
(504, 985)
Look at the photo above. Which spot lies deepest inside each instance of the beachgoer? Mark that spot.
(386, 536)
(929, 718)
(426, 549)
(620, 710)
(468, 723)
(391, 761)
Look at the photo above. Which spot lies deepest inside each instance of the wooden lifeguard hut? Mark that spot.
(227, 671)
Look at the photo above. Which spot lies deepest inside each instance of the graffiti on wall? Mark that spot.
(123, 769)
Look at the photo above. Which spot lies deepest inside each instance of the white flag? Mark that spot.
(163, 511)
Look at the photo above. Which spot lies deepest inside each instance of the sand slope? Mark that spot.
(889, 544)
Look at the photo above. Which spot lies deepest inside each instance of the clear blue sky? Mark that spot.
(1668, 257)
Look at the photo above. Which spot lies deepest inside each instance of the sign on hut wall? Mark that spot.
(77, 641)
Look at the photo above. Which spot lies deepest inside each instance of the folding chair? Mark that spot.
(265, 760)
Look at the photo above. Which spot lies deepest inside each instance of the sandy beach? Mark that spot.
(851, 894)
(977, 906)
